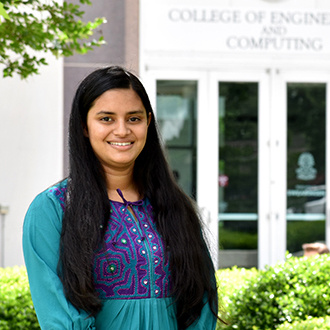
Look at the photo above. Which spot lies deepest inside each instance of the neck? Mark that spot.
(121, 179)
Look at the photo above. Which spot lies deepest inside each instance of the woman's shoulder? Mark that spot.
(58, 191)
(46, 210)
(55, 194)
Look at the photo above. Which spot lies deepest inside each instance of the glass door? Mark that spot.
(238, 173)
(251, 148)
(306, 104)
(242, 111)
(272, 165)
(177, 117)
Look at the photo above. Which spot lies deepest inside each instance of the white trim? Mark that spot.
(264, 171)
(208, 136)
(277, 166)
(327, 166)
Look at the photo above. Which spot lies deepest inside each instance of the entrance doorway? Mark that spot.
(251, 148)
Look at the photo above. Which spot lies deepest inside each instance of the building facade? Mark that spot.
(241, 93)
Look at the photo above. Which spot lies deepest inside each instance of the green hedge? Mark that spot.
(16, 308)
(229, 281)
(294, 294)
(294, 290)
(312, 324)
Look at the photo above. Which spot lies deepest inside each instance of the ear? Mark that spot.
(149, 118)
(85, 131)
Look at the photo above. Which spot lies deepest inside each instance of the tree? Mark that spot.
(3, 13)
(31, 28)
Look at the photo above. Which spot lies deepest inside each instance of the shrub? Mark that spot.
(16, 308)
(296, 289)
(311, 324)
(229, 281)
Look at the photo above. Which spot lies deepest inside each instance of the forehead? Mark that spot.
(118, 98)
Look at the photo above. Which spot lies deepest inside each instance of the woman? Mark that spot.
(117, 245)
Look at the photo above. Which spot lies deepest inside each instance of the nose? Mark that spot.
(121, 128)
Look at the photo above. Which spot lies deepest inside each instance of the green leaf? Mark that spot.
(3, 12)
(42, 27)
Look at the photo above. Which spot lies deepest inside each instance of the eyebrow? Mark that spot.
(134, 112)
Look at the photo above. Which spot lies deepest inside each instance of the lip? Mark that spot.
(120, 144)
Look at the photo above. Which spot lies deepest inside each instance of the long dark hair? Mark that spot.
(88, 208)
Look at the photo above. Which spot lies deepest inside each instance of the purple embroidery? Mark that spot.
(132, 262)
(59, 192)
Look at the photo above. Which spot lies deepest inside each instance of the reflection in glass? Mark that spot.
(176, 115)
(305, 164)
(238, 166)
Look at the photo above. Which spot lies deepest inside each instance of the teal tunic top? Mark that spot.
(131, 273)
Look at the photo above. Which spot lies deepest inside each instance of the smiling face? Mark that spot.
(117, 126)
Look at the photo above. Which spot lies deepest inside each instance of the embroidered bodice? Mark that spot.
(131, 263)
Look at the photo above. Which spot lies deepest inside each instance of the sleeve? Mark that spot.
(206, 321)
(41, 238)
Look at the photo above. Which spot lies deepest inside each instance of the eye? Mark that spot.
(134, 119)
(107, 119)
